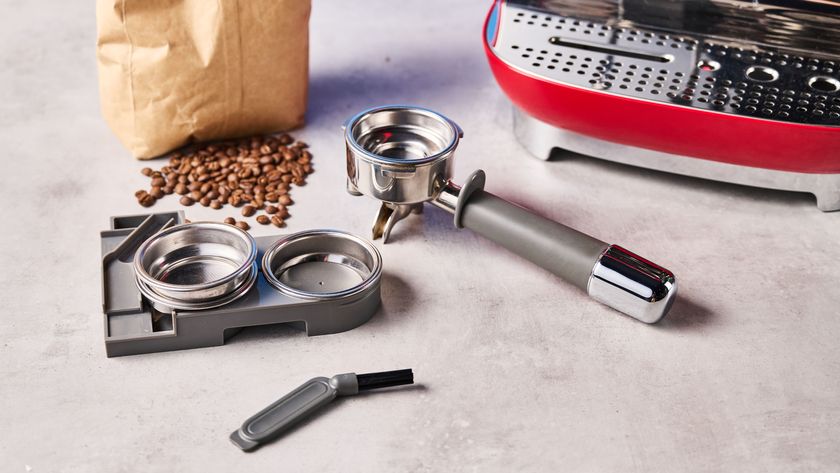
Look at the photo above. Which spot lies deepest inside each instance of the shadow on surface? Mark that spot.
(397, 298)
(394, 389)
(432, 224)
(686, 314)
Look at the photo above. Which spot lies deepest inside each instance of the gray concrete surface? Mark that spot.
(516, 370)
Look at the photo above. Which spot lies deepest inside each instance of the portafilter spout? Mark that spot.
(402, 156)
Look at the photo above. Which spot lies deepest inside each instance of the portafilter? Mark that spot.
(402, 155)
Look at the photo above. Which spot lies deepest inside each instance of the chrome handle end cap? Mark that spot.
(632, 285)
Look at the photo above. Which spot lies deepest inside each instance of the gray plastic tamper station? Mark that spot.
(169, 285)
(402, 155)
(304, 401)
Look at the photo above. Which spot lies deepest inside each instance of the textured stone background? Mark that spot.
(516, 370)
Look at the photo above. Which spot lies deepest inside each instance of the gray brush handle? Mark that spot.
(608, 273)
(292, 408)
(307, 398)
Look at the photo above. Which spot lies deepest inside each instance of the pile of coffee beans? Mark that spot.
(253, 173)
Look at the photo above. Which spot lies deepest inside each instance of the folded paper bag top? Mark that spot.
(172, 72)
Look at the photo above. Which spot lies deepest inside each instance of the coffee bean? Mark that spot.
(147, 200)
(248, 210)
(253, 171)
(263, 220)
(277, 221)
(243, 225)
(230, 221)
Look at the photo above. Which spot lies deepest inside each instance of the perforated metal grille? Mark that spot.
(658, 66)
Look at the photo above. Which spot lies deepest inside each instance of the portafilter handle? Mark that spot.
(608, 273)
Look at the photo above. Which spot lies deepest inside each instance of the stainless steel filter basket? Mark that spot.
(322, 265)
(400, 154)
(196, 265)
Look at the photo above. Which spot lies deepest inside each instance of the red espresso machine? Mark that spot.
(736, 91)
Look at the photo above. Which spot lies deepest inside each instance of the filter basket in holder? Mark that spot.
(196, 265)
(323, 265)
(400, 154)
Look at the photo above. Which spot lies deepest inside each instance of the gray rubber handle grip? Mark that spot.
(562, 250)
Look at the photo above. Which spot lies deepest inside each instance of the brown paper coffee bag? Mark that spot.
(172, 72)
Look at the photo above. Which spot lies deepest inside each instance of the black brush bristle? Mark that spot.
(385, 379)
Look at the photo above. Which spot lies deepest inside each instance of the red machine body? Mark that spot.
(756, 136)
